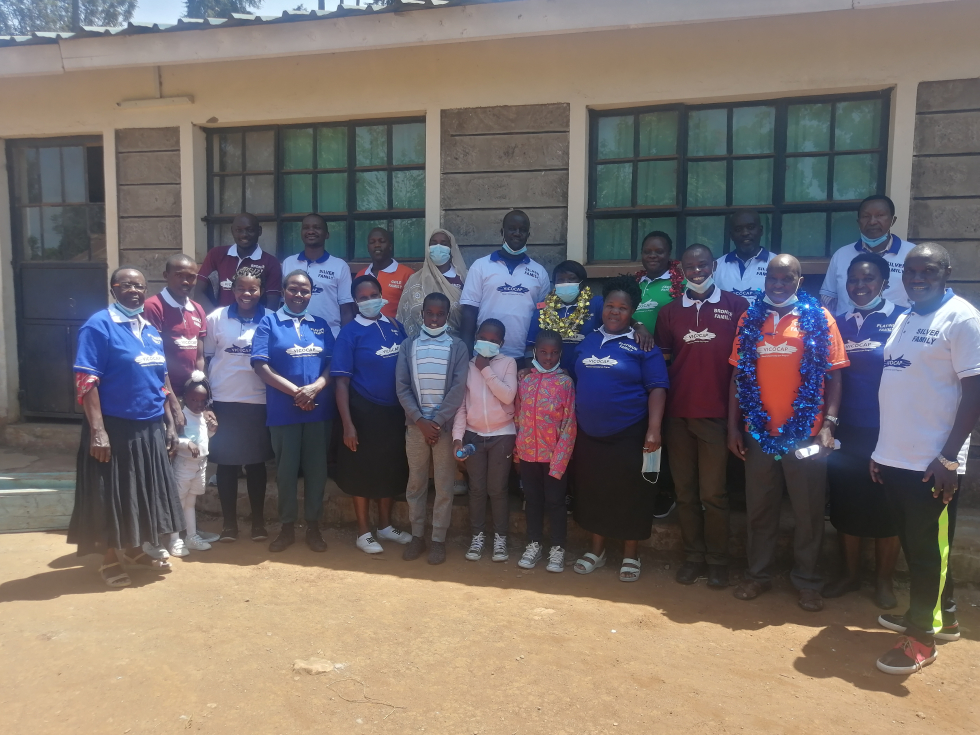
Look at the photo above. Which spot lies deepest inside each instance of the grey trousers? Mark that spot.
(805, 481)
(489, 470)
(698, 452)
(443, 462)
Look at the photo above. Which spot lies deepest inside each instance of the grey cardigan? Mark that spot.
(456, 372)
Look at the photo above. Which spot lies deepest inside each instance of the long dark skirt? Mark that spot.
(611, 497)
(379, 467)
(858, 505)
(242, 437)
(130, 499)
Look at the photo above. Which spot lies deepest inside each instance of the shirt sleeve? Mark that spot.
(273, 278)
(343, 354)
(566, 432)
(836, 354)
(733, 358)
(261, 339)
(199, 311)
(473, 287)
(532, 331)
(503, 387)
(829, 287)
(208, 266)
(93, 349)
(153, 312)
(662, 335)
(964, 344)
(654, 370)
(343, 286)
(210, 343)
(544, 287)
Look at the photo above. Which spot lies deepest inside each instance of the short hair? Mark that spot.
(495, 324)
(662, 235)
(250, 271)
(569, 266)
(440, 297)
(388, 234)
(122, 268)
(178, 259)
(294, 274)
(924, 247)
(363, 279)
(876, 260)
(201, 380)
(318, 216)
(697, 246)
(516, 212)
(878, 198)
(625, 283)
(549, 335)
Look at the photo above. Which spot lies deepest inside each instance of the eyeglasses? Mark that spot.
(138, 287)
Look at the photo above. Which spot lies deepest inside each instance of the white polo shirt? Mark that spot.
(926, 356)
(228, 343)
(835, 282)
(746, 279)
(331, 284)
(508, 295)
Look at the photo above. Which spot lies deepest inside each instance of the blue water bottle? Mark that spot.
(465, 451)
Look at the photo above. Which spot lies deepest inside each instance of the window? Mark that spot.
(58, 199)
(358, 175)
(804, 164)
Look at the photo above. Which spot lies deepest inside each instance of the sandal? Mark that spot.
(161, 565)
(119, 580)
(750, 589)
(589, 563)
(630, 571)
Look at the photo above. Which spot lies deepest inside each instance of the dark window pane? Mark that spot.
(332, 192)
(658, 133)
(297, 193)
(260, 150)
(805, 234)
(614, 185)
(858, 125)
(753, 129)
(259, 194)
(706, 184)
(96, 228)
(409, 237)
(855, 176)
(708, 231)
(372, 191)
(31, 224)
(228, 152)
(73, 160)
(337, 242)
(843, 229)
(615, 137)
(612, 239)
(292, 243)
(808, 128)
(408, 190)
(361, 230)
(221, 234)
(228, 194)
(268, 237)
(408, 144)
(806, 179)
(71, 226)
(96, 173)
(331, 147)
(752, 181)
(297, 144)
(707, 133)
(656, 183)
(32, 177)
(646, 225)
(371, 143)
(50, 160)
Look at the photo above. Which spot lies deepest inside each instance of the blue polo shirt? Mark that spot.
(299, 350)
(569, 344)
(614, 377)
(864, 340)
(132, 369)
(367, 352)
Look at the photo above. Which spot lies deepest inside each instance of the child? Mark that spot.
(430, 380)
(486, 420)
(191, 462)
(546, 416)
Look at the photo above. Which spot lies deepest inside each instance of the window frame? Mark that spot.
(213, 220)
(775, 210)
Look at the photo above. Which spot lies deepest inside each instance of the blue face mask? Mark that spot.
(440, 254)
(486, 349)
(876, 242)
(515, 252)
(371, 308)
(567, 292)
(129, 312)
(788, 302)
(537, 366)
(293, 314)
(873, 304)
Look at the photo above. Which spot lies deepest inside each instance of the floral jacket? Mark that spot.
(546, 420)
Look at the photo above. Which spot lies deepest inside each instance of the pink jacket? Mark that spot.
(547, 420)
(489, 402)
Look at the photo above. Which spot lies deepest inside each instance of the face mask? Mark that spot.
(435, 331)
(788, 302)
(700, 288)
(129, 312)
(371, 308)
(567, 292)
(876, 242)
(651, 466)
(294, 314)
(874, 303)
(537, 366)
(440, 254)
(486, 349)
(515, 252)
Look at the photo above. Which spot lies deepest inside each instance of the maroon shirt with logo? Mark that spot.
(222, 263)
(699, 340)
(182, 328)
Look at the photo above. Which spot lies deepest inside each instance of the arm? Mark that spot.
(98, 438)
(170, 414)
(201, 294)
(343, 408)
(271, 378)
(736, 442)
(967, 415)
(305, 397)
(403, 385)
(459, 424)
(199, 362)
(643, 337)
(832, 389)
(656, 400)
(566, 434)
(347, 313)
(504, 388)
(467, 329)
(273, 283)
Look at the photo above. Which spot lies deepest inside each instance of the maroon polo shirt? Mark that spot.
(221, 264)
(699, 340)
(182, 328)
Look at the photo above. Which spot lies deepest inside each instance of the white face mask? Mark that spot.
(537, 366)
(788, 302)
(371, 308)
(515, 252)
(440, 254)
(435, 331)
(486, 349)
(700, 288)
(567, 292)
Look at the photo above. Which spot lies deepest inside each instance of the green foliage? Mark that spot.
(220, 8)
(21, 17)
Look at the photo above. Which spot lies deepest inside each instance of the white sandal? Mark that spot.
(630, 571)
(589, 563)
(120, 580)
(161, 565)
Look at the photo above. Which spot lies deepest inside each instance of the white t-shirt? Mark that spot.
(511, 297)
(195, 430)
(746, 279)
(835, 283)
(331, 285)
(926, 356)
(229, 345)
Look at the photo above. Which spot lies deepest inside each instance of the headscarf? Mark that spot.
(429, 279)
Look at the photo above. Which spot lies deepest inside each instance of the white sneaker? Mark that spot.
(556, 560)
(476, 547)
(209, 537)
(532, 555)
(177, 547)
(368, 545)
(196, 543)
(393, 534)
(499, 548)
(155, 551)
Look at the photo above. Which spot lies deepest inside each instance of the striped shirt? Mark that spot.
(431, 365)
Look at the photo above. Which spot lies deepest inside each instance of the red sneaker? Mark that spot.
(907, 657)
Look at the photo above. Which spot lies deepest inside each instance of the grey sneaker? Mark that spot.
(532, 555)
(476, 547)
(556, 560)
(499, 548)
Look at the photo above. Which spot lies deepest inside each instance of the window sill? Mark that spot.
(811, 266)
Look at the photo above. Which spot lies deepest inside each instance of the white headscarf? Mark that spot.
(429, 279)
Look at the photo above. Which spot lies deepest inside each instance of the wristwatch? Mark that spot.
(832, 419)
(952, 466)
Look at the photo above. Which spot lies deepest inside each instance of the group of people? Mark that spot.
(412, 373)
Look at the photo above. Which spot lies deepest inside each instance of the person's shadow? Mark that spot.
(841, 653)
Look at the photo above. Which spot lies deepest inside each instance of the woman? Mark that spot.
(620, 395)
(239, 403)
(442, 272)
(570, 309)
(125, 492)
(291, 353)
(661, 280)
(858, 508)
(371, 464)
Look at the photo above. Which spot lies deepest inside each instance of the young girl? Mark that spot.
(546, 416)
(191, 461)
(486, 420)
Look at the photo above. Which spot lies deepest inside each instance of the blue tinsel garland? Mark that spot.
(816, 346)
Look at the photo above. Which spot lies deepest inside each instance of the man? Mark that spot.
(222, 262)
(743, 270)
(506, 285)
(695, 332)
(330, 275)
(390, 274)
(930, 402)
(771, 389)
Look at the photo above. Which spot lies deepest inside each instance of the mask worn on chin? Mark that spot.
(700, 288)
(788, 302)
(440, 254)
(293, 314)
(877, 241)
(537, 366)
(874, 303)
(567, 292)
(129, 312)
(486, 349)
(435, 331)
(371, 308)
(515, 252)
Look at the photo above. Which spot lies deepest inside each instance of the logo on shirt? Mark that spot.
(186, 343)
(150, 360)
(316, 289)
(866, 346)
(899, 363)
(648, 305)
(628, 346)
(326, 275)
(155, 339)
(766, 349)
(723, 314)
(297, 351)
(197, 322)
(318, 331)
(926, 336)
(518, 289)
(748, 293)
(699, 337)
(239, 350)
(387, 351)
(599, 361)
(226, 284)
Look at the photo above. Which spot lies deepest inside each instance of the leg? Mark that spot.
(948, 601)
(384, 511)
(256, 479)
(189, 503)
(228, 494)
(554, 507)
(806, 482)
(850, 573)
(500, 457)
(886, 554)
(712, 435)
(416, 492)
(763, 494)
(533, 480)
(314, 461)
(683, 448)
(476, 468)
(361, 511)
(444, 474)
(287, 445)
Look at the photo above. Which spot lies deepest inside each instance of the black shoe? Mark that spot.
(949, 632)
(259, 533)
(228, 534)
(414, 548)
(718, 576)
(285, 539)
(437, 552)
(663, 503)
(313, 538)
(840, 587)
(691, 571)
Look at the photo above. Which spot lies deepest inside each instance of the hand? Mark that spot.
(826, 441)
(523, 373)
(457, 445)
(171, 441)
(943, 480)
(429, 429)
(736, 443)
(194, 450)
(875, 472)
(180, 421)
(99, 445)
(482, 362)
(652, 442)
(211, 421)
(643, 337)
(305, 396)
(350, 437)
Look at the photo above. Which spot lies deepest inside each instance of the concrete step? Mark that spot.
(40, 436)
(40, 501)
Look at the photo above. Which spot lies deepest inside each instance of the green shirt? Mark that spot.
(654, 294)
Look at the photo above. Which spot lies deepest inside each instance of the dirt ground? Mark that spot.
(462, 648)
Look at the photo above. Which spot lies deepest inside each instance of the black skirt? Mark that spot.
(130, 499)
(379, 467)
(858, 506)
(611, 497)
(242, 437)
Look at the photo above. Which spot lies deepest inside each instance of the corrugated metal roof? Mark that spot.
(232, 21)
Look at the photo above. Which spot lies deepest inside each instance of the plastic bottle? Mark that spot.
(804, 452)
(465, 451)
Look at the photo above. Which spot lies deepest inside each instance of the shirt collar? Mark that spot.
(369, 271)
(886, 308)
(233, 313)
(714, 298)
(301, 257)
(188, 305)
(732, 256)
(256, 254)
(423, 335)
(284, 317)
(496, 257)
(606, 337)
(892, 249)
(942, 302)
(368, 322)
(119, 318)
(663, 276)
